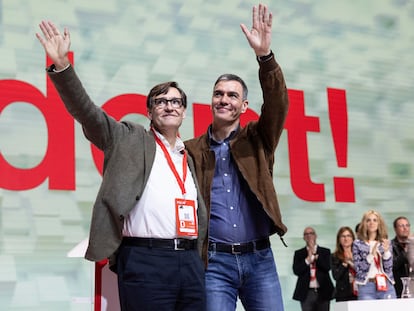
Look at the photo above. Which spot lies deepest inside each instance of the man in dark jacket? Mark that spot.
(311, 264)
(234, 167)
(400, 264)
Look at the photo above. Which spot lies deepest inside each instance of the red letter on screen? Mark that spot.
(58, 163)
(297, 125)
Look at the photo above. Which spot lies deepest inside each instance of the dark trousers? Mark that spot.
(313, 303)
(151, 279)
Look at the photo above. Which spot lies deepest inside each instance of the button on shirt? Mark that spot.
(236, 215)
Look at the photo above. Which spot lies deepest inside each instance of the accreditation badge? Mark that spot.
(186, 219)
(381, 282)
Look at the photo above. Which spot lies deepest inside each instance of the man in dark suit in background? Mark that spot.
(401, 266)
(311, 264)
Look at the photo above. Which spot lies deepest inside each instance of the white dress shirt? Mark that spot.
(154, 214)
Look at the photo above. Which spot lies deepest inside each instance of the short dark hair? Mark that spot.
(397, 219)
(163, 88)
(232, 77)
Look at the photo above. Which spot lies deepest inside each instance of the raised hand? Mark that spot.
(260, 36)
(56, 45)
(386, 244)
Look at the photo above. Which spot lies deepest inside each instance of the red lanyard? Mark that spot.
(181, 182)
(377, 262)
(313, 271)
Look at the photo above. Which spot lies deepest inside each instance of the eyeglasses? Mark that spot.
(309, 233)
(162, 102)
(346, 236)
(404, 225)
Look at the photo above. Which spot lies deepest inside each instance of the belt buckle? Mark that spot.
(234, 252)
(177, 247)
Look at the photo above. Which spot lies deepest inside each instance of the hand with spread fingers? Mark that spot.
(56, 45)
(260, 36)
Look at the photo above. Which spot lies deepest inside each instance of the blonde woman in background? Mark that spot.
(372, 254)
(343, 266)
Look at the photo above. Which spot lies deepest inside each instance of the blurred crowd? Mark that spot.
(365, 264)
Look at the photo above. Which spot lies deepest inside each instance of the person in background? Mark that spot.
(343, 266)
(234, 167)
(400, 266)
(149, 217)
(357, 227)
(373, 259)
(311, 264)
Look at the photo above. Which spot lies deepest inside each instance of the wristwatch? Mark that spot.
(265, 58)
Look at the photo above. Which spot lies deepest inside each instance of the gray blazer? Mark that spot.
(129, 152)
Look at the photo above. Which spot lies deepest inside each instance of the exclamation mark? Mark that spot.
(338, 117)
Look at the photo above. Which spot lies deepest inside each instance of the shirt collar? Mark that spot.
(179, 144)
(230, 137)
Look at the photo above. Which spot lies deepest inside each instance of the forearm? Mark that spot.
(95, 122)
(275, 101)
(72, 92)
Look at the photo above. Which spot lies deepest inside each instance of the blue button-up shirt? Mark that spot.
(236, 215)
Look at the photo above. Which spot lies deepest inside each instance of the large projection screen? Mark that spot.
(347, 147)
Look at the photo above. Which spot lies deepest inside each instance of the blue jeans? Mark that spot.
(369, 291)
(252, 276)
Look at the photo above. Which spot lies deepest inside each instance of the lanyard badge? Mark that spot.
(381, 282)
(185, 211)
(380, 278)
(186, 219)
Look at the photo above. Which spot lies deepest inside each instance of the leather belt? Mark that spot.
(239, 248)
(177, 244)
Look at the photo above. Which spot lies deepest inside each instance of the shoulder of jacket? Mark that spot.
(196, 141)
(134, 125)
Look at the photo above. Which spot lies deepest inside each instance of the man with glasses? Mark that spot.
(311, 264)
(401, 266)
(148, 217)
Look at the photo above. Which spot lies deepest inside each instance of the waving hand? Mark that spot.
(259, 37)
(56, 45)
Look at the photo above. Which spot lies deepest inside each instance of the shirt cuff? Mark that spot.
(265, 58)
(387, 255)
(60, 70)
